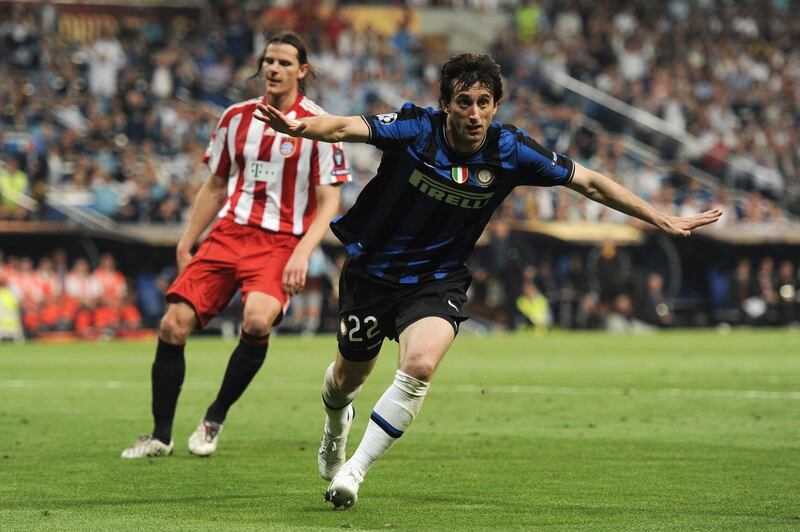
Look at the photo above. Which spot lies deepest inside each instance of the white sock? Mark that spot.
(335, 402)
(393, 414)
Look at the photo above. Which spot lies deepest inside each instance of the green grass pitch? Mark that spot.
(674, 431)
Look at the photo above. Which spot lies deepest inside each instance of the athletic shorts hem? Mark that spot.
(176, 297)
(454, 321)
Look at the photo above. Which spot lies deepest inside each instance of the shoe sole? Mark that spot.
(161, 455)
(200, 455)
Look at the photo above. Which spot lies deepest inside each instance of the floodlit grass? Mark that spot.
(674, 431)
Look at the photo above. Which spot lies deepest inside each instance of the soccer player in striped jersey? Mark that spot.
(443, 173)
(273, 196)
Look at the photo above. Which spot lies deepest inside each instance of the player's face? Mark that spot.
(282, 70)
(469, 114)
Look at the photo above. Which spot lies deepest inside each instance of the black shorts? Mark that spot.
(371, 309)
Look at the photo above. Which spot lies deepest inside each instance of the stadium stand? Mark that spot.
(105, 112)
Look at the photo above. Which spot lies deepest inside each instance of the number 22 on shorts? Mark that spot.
(358, 330)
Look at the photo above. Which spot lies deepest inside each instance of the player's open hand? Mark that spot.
(683, 225)
(294, 274)
(279, 121)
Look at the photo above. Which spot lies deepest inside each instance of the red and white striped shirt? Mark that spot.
(271, 176)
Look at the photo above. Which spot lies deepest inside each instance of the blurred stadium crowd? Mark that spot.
(512, 288)
(117, 122)
(51, 296)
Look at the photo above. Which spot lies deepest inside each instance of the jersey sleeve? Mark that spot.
(328, 164)
(396, 131)
(217, 156)
(539, 166)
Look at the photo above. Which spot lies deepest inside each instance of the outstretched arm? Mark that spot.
(600, 188)
(326, 128)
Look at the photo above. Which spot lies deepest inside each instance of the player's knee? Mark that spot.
(257, 325)
(173, 330)
(419, 366)
(259, 316)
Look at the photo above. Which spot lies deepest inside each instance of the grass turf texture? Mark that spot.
(680, 430)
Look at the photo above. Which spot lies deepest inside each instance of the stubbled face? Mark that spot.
(469, 114)
(282, 70)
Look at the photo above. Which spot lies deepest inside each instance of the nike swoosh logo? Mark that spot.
(452, 305)
(428, 165)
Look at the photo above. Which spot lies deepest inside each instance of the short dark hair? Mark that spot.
(463, 71)
(292, 39)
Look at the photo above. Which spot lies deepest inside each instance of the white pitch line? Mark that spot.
(661, 392)
(446, 388)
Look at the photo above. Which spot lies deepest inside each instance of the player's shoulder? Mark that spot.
(412, 110)
(407, 111)
(239, 108)
(505, 136)
(511, 134)
(507, 141)
(308, 107)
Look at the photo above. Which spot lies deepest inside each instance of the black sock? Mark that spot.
(167, 378)
(243, 365)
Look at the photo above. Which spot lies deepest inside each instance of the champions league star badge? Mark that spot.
(485, 176)
(287, 146)
(387, 118)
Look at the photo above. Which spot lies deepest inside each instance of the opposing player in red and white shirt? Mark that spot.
(273, 196)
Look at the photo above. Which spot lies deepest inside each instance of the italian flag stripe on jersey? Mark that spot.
(460, 174)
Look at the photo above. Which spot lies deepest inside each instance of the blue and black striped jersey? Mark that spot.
(421, 215)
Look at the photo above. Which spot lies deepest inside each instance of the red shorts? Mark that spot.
(233, 256)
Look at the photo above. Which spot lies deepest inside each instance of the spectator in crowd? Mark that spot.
(10, 322)
(654, 307)
(612, 267)
(50, 308)
(767, 288)
(622, 318)
(105, 59)
(744, 292)
(82, 293)
(28, 287)
(14, 183)
(534, 308)
(578, 300)
(789, 295)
